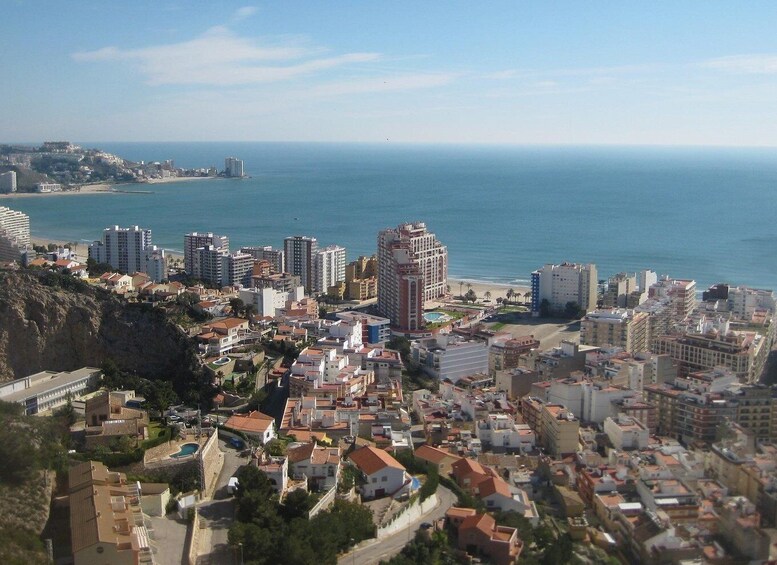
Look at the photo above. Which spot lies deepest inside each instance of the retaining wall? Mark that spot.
(411, 513)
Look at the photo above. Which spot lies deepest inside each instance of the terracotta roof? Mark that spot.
(301, 452)
(86, 473)
(483, 522)
(456, 512)
(255, 422)
(370, 460)
(433, 454)
(494, 485)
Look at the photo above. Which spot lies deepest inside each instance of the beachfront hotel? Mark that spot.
(14, 233)
(560, 284)
(233, 167)
(412, 270)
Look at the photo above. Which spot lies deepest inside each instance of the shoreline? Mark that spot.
(105, 188)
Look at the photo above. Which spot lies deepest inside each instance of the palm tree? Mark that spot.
(461, 284)
(518, 296)
(510, 293)
(488, 295)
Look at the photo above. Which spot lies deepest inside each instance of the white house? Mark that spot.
(383, 474)
(499, 431)
(497, 495)
(321, 465)
(254, 424)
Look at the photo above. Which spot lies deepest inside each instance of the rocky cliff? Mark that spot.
(50, 321)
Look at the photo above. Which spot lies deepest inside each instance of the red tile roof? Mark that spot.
(370, 460)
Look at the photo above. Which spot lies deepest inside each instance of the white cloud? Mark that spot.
(755, 64)
(385, 84)
(243, 13)
(219, 57)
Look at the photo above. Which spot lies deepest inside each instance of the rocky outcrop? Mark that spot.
(50, 321)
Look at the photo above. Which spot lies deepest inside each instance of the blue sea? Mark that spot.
(702, 213)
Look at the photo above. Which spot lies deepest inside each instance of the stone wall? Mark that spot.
(211, 461)
(412, 512)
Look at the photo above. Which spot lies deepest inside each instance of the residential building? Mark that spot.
(451, 357)
(619, 288)
(233, 167)
(14, 234)
(300, 253)
(194, 241)
(564, 283)
(361, 278)
(516, 382)
(107, 524)
(329, 267)
(412, 270)
(255, 425)
(375, 329)
(318, 464)
(156, 264)
(279, 281)
(713, 344)
(626, 433)
(743, 302)
(266, 253)
(559, 430)
(8, 182)
(619, 327)
(48, 187)
(501, 432)
(681, 293)
(506, 354)
(236, 269)
(383, 475)
(478, 534)
(218, 338)
(47, 390)
(267, 302)
(125, 249)
(441, 460)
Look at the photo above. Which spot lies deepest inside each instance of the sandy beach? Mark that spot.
(103, 188)
(497, 290)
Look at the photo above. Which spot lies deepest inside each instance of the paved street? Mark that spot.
(370, 553)
(169, 538)
(216, 515)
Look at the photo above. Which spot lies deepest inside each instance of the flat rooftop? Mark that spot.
(43, 381)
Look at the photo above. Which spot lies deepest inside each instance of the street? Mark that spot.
(372, 552)
(216, 515)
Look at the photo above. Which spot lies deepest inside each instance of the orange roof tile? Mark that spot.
(370, 460)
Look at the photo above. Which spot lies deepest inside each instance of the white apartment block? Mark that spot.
(626, 433)
(233, 167)
(299, 253)
(499, 431)
(329, 267)
(451, 357)
(48, 187)
(619, 327)
(266, 253)
(236, 269)
(123, 248)
(14, 233)
(193, 241)
(267, 301)
(8, 182)
(560, 284)
(743, 302)
(48, 390)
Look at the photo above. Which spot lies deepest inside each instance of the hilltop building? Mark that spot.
(412, 269)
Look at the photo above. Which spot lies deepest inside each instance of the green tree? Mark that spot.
(471, 295)
(297, 504)
(545, 308)
(237, 305)
(572, 310)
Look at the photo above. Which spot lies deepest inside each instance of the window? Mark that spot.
(384, 478)
(374, 479)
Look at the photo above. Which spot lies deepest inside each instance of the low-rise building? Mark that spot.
(451, 357)
(254, 424)
(47, 390)
(479, 535)
(441, 460)
(318, 464)
(383, 475)
(626, 433)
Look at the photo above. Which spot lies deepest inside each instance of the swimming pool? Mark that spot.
(434, 317)
(416, 484)
(186, 450)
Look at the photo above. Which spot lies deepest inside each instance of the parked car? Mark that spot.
(237, 443)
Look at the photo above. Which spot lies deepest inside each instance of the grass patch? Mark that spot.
(498, 326)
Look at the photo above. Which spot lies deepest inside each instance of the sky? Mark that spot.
(507, 72)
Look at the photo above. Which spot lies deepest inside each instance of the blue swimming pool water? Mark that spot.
(434, 316)
(416, 484)
(186, 449)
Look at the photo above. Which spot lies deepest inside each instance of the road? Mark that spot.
(217, 515)
(372, 552)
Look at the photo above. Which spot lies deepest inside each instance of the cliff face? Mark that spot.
(50, 322)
